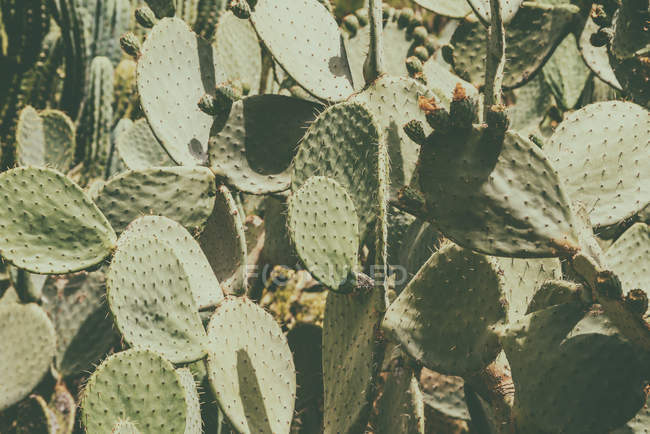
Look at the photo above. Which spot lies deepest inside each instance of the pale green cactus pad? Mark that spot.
(566, 73)
(526, 51)
(139, 148)
(253, 148)
(445, 394)
(629, 257)
(555, 354)
(347, 136)
(533, 101)
(238, 51)
(202, 282)
(224, 243)
(441, 82)
(184, 194)
(309, 47)
(142, 387)
(45, 139)
(178, 80)
(497, 198)
(445, 322)
(596, 58)
(149, 294)
(254, 383)
(49, 226)
(192, 399)
(603, 158)
(27, 343)
(323, 227)
(508, 9)
(77, 306)
(351, 358)
(419, 242)
(556, 292)
(447, 8)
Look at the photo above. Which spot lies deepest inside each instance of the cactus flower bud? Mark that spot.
(145, 17)
(130, 44)
(463, 109)
(240, 8)
(415, 131)
(636, 301)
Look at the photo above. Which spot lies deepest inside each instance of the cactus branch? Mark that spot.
(374, 65)
(496, 58)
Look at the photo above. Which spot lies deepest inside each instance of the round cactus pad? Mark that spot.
(48, 224)
(629, 257)
(140, 149)
(323, 226)
(250, 367)
(45, 138)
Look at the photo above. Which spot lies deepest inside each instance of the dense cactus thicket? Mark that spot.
(297, 216)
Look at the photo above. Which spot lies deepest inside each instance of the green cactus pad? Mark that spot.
(596, 58)
(447, 8)
(629, 257)
(602, 160)
(254, 148)
(349, 139)
(193, 424)
(533, 101)
(566, 73)
(184, 194)
(323, 227)
(445, 394)
(178, 81)
(444, 315)
(84, 330)
(143, 388)
(45, 139)
(556, 292)
(28, 343)
(419, 242)
(149, 294)
(202, 282)
(125, 427)
(251, 368)
(49, 226)
(351, 358)
(497, 198)
(139, 148)
(526, 51)
(555, 355)
(309, 47)
(238, 51)
(482, 9)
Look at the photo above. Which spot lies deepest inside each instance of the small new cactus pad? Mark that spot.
(124, 427)
(629, 257)
(251, 368)
(447, 8)
(27, 345)
(352, 355)
(526, 51)
(555, 292)
(323, 227)
(149, 294)
(48, 224)
(602, 155)
(224, 243)
(238, 51)
(522, 278)
(566, 73)
(139, 148)
(253, 149)
(45, 139)
(445, 394)
(555, 355)
(508, 9)
(309, 47)
(184, 194)
(143, 388)
(496, 197)
(347, 136)
(178, 80)
(202, 282)
(84, 329)
(430, 320)
(443, 82)
(596, 58)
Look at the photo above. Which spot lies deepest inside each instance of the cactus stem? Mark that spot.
(374, 65)
(496, 58)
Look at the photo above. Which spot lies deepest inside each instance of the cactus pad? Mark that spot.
(125, 427)
(323, 227)
(184, 194)
(178, 80)
(604, 161)
(142, 387)
(49, 226)
(255, 384)
(254, 148)
(566, 73)
(27, 343)
(447, 8)
(139, 148)
(149, 294)
(309, 47)
(629, 257)
(482, 9)
(45, 139)
(444, 321)
(596, 58)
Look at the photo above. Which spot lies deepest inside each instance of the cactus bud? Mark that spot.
(420, 34)
(130, 44)
(636, 301)
(208, 104)
(538, 141)
(220, 103)
(414, 66)
(240, 8)
(421, 53)
(608, 285)
(497, 118)
(386, 12)
(601, 37)
(351, 24)
(362, 16)
(431, 45)
(404, 18)
(600, 17)
(145, 17)
(437, 116)
(448, 53)
(415, 131)
(463, 110)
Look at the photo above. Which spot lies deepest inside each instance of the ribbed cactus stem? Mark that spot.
(374, 65)
(496, 58)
